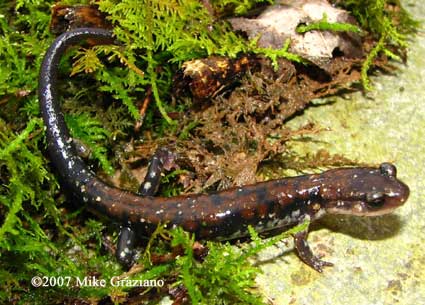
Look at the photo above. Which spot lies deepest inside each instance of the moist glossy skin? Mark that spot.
(265, 206)
(224, 215)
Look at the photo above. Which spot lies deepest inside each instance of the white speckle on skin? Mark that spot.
(159, 211)
(70, 164)
(180, 212)
(147, 185)
(314, 191)
(295, 214)
(223, 214)
(98, 199)
(152, 174)
(142, 220)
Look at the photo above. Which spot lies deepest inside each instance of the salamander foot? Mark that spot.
(306, 255)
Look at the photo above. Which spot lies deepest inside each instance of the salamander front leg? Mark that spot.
(163, 159)
(305, 254)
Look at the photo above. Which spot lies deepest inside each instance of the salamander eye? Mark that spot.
(388, 169)
(375, 198)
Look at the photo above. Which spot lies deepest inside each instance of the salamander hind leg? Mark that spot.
(305, 254)
(125, 246)
(163, 159)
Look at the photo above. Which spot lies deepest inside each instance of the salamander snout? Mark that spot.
(380, 203)
(394, 192)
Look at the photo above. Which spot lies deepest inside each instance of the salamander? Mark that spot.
(224, 215)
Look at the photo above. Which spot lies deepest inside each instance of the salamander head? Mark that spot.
(365, 191)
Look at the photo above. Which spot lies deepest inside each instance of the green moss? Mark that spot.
(225, 276)
(325, 25)
(274, 55)
(167, 31)
(389, 27)
(238, 7)
(91, 132)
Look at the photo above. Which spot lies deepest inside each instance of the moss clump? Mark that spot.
(388, 22)
(325, 25)
(185, 34)
(208, 282)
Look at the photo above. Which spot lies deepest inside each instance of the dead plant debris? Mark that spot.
(240, 105)
(237, 130)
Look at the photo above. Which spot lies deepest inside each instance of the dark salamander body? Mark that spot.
(274, 204)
